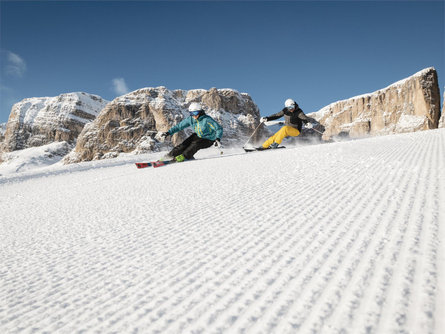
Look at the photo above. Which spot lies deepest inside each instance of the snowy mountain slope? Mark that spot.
(335, 238)
(39, 121)
(33, 157)
(125, 125)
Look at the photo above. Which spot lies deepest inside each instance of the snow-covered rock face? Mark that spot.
(2, 132)
(33, 157)
(43, 120)
(129, 121)
(442, 118)
(412, 104)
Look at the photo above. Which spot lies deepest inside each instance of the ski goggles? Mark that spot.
(195, 113)
(291, 108)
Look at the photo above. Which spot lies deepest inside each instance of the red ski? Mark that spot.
(154, 164)
(158, 163)
(162, 163)
(143, 164)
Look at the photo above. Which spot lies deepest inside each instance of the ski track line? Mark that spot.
(235, 296)
(280, 233)
(226, 305)
(230, 259)
(400, 293)
(282, 309)
(390, 280)
(381, 246)
(181, 294)
(437, 247)
(388, 269)
(243, 253)
(307, 307)
(352, 248)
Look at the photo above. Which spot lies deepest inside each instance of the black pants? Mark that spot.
(190, 146)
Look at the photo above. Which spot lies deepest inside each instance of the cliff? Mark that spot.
(442, 118)
(2, 132)
(127, 124)
(43, 120)
(412, 104)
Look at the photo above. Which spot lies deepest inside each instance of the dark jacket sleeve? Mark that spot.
(275, 116)
(305, 118)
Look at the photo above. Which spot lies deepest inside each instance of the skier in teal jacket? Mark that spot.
(207, 133)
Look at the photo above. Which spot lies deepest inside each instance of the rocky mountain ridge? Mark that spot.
(409, 105)
(43, 120)
(442, 117)
(127, 123)
(2, 132)
(100, 129)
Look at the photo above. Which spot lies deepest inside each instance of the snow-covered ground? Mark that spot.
(332, 238)
(33, 158)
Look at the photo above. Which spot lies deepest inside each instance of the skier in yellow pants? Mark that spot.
(277, 138)
(294, 118)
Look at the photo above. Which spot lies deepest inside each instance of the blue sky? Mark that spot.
(316, 52)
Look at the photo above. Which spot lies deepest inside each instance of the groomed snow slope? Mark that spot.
(334, 238)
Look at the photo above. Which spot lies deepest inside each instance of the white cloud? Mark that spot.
(120, 86)
(15, 65)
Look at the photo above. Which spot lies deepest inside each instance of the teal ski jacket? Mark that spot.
(205, 127)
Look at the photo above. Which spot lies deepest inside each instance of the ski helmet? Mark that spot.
(290, 104)
(195, 106)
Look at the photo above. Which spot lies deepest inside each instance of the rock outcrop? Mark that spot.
(2, 132)
(33, 157)
(127, 124)
(412, 104)
(442, 118)
(39, 121)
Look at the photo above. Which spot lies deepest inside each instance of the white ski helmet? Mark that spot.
(289, 103)
(195, 106)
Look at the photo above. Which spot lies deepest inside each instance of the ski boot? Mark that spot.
(180, 158)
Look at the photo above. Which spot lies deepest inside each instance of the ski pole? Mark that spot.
(322, 134)
(217, 144)
(312, 128)
(317, 131)
(252, 134)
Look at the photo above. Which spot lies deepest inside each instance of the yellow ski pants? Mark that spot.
(278, 137)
